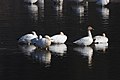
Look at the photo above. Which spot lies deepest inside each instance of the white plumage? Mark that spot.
(85, 41)
(26, 39)
(100, 39)
(43, 42)
(59, 38)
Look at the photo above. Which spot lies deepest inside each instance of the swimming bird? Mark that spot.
(59, 38)
(30, 1)
(100, 39)
(102, 2)
(43, 43)
(26, 39)
(85, 41)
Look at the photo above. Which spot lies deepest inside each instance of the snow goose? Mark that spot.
(43, 43)
(85, 41)
(59, 38)
(100, 39)
(26, 39)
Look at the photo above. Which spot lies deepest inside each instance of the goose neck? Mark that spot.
(89, 33)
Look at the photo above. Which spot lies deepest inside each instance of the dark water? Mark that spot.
(69, 63)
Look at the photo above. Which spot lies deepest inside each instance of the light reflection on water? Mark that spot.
(49, 19)
(43, 56)
(86, 52)
(104, 12)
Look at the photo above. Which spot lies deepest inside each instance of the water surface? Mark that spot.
(66, 61)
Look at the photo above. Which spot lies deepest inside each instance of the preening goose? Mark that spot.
(43, 42)
(100, 39)
(85, 41)
(26, 39)
(59, 38)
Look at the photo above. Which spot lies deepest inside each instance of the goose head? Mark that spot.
(90, 28)
(34, 33)
(61, 33)
(40, 36)
(104, 34)
(47, 37)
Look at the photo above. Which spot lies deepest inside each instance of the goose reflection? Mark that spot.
(105, 15)
(78, 10)
(58, 7)
(86, 52)
(57, 2)
(41, 8)
(27, 49)
(104, 12)
(32, 11)
(58, 49)
(101, 47)
(42, 56)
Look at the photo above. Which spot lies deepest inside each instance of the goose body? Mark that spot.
(85, 41)
(30, 1)
(102, 2)
(100, 39)
(59, 38)
(43, 42)
(26, 39)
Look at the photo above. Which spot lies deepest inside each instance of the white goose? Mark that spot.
(26, 39)
(85, 41)
(43, 43)
(30, 1)
(102, 2)
(59, 38)
(100, 39)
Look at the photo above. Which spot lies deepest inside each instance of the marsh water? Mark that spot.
(62, 61)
